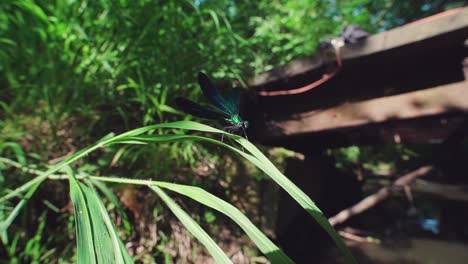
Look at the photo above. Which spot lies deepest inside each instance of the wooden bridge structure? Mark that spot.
(405, 85)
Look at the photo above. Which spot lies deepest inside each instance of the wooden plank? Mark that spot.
(424, 130)
(426, 116)
(452, 24)
(435, 101)
(417, 31)
(421, 65)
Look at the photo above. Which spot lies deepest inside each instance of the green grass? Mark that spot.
(96, 236)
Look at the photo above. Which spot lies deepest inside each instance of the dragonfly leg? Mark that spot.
(245, 133)
(227, 129)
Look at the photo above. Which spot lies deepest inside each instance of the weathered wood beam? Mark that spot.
(426, 116)
(418, 31)
(452, 25)
(429, 102)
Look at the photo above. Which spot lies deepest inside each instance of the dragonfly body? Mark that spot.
(223, 109)
(236, 124)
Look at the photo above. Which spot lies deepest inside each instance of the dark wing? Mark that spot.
(198, 110)
(213, 95)
(232, 99)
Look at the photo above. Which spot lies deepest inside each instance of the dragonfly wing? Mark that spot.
(232, 99)
(210, 92)
(198, 110)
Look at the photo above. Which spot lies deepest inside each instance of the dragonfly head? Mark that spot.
(245, 124)
(237, 120)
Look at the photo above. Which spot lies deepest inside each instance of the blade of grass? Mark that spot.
(14, 213)
(266, 166)
(41, 177)
(192, 227)
(115, 201)
(16, 148)
(303, 199)
(274, 253)
(255, 157)
(262, 162)
(267, 247)
(105, 229)
(96, 237)
(84, 231)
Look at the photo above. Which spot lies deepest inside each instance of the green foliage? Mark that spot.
(390, 14)
(120, 64)
(380, 161)
(79, 56)
(72, 71)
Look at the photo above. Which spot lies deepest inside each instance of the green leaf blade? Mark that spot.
(84, 232)
(258, 159)
(266, 246)
(97, 238)
(193, 227)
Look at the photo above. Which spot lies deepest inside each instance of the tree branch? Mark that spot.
(377, 197)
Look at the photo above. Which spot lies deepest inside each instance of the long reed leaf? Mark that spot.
(266, 246)
(97, 239)
(140, 136)
(257, 158)
(14, 213)
(193, 227)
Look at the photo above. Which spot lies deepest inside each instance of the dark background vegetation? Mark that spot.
(73, 71)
